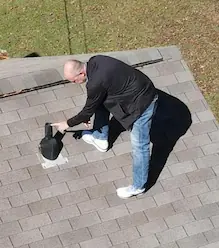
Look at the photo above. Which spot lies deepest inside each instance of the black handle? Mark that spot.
(48, 131)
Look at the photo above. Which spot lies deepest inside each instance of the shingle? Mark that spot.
(46, 76)
(41, 98)
(15, 104)
(5, 86)
(9, 117)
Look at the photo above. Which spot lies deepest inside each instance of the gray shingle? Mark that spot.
(5, 86)
(46, 76)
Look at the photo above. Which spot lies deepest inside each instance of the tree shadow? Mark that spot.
(171, 121)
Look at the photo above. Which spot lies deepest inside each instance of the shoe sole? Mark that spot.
(94, 144)
(129, 196)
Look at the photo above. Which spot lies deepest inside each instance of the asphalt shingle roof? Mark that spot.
(75, 205)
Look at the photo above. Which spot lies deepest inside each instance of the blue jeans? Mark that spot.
(101, 123)
(140, 140)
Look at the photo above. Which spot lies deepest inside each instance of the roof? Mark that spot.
(75, 203)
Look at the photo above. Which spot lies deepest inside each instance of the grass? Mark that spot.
(29, 25)
(80, 26)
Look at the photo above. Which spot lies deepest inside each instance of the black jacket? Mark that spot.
(126, 92)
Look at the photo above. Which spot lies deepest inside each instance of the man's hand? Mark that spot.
(87, 124)
(61, 126)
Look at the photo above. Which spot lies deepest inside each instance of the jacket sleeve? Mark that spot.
(95, 97)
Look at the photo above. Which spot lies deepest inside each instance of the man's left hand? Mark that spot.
(61, 126)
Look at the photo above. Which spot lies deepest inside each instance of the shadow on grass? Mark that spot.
(34, 54)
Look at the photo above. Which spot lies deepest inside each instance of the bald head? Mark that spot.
(74, 70)
(73, 67)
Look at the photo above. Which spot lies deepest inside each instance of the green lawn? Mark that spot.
(53, 27)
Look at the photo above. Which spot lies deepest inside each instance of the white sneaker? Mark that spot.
(101, 145)
(129, 191)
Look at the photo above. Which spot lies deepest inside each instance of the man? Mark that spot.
(129, 95)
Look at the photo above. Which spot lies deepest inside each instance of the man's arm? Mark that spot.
(95, 97)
